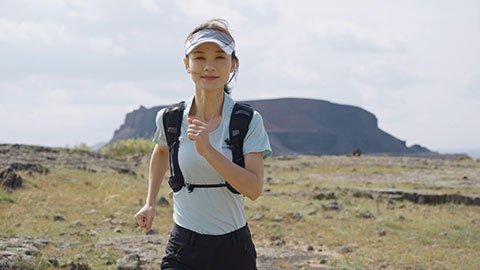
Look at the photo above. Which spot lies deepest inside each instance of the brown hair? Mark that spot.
(220, 25)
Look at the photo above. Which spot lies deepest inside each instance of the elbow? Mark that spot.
(255, 194)
(253, 197)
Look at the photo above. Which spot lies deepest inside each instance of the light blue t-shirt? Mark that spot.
(212, 211)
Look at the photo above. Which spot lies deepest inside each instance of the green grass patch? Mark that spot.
(432, 236)
(6, 197)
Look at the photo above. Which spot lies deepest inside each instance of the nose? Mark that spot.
(209, 66)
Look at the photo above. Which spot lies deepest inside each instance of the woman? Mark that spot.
(210, 229)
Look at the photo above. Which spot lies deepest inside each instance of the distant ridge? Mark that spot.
(299, 126)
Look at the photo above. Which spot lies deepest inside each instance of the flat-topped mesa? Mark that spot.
(299, 126)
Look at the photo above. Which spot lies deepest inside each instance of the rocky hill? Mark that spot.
(300, 126)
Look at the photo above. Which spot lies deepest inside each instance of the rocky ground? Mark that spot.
(429, 178)
(29, 156)
(143, 252)
(421, 173)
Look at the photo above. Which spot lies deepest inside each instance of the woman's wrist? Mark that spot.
(150, 202)
(210, 153)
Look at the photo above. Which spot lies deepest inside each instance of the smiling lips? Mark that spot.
(209, 77)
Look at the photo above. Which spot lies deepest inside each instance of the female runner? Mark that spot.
(210, 230)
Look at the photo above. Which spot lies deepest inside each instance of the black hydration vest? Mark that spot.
(172, 121)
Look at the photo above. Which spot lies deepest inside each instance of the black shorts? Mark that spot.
(188, 250)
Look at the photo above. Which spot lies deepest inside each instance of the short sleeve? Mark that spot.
(256, 139)
(159, 137)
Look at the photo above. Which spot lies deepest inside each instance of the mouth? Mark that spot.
(209, 77)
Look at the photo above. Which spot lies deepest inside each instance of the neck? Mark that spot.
(207, 105)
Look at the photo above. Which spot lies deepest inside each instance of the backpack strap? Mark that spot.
(172, 122)
(242, 115)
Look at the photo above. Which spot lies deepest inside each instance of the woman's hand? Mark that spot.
(145, 216)
(198, 132)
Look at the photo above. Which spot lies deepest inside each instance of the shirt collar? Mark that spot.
(228, 104)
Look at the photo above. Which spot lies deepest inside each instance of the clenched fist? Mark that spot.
(145, 216)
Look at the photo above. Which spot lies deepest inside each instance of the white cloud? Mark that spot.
(60, 124)
(100, 44)
(430, 118)
(62, 110)
(471, 85)
(87, 10)
(347, 36)
(149, 5)
(105, 44)
(54, 10)
(124, 92)
(32, 33)
(48, 90)
(383, 74)
(55, 96)
(202, 10)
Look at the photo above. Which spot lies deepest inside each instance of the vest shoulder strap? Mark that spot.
(172, 122)
(240, 119)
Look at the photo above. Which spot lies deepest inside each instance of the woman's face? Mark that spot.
(210, 67)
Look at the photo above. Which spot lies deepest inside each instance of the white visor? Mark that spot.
(210, 35)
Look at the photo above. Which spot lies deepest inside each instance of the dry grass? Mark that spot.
(430, 236)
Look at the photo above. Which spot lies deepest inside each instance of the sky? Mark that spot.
(71, 70)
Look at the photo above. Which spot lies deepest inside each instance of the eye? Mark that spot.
(199, 58)
(220, 57)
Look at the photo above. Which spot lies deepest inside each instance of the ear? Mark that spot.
(187, 68)
(234, 63)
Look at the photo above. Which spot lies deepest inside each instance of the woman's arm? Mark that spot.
(158, 167)
(248, 180)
